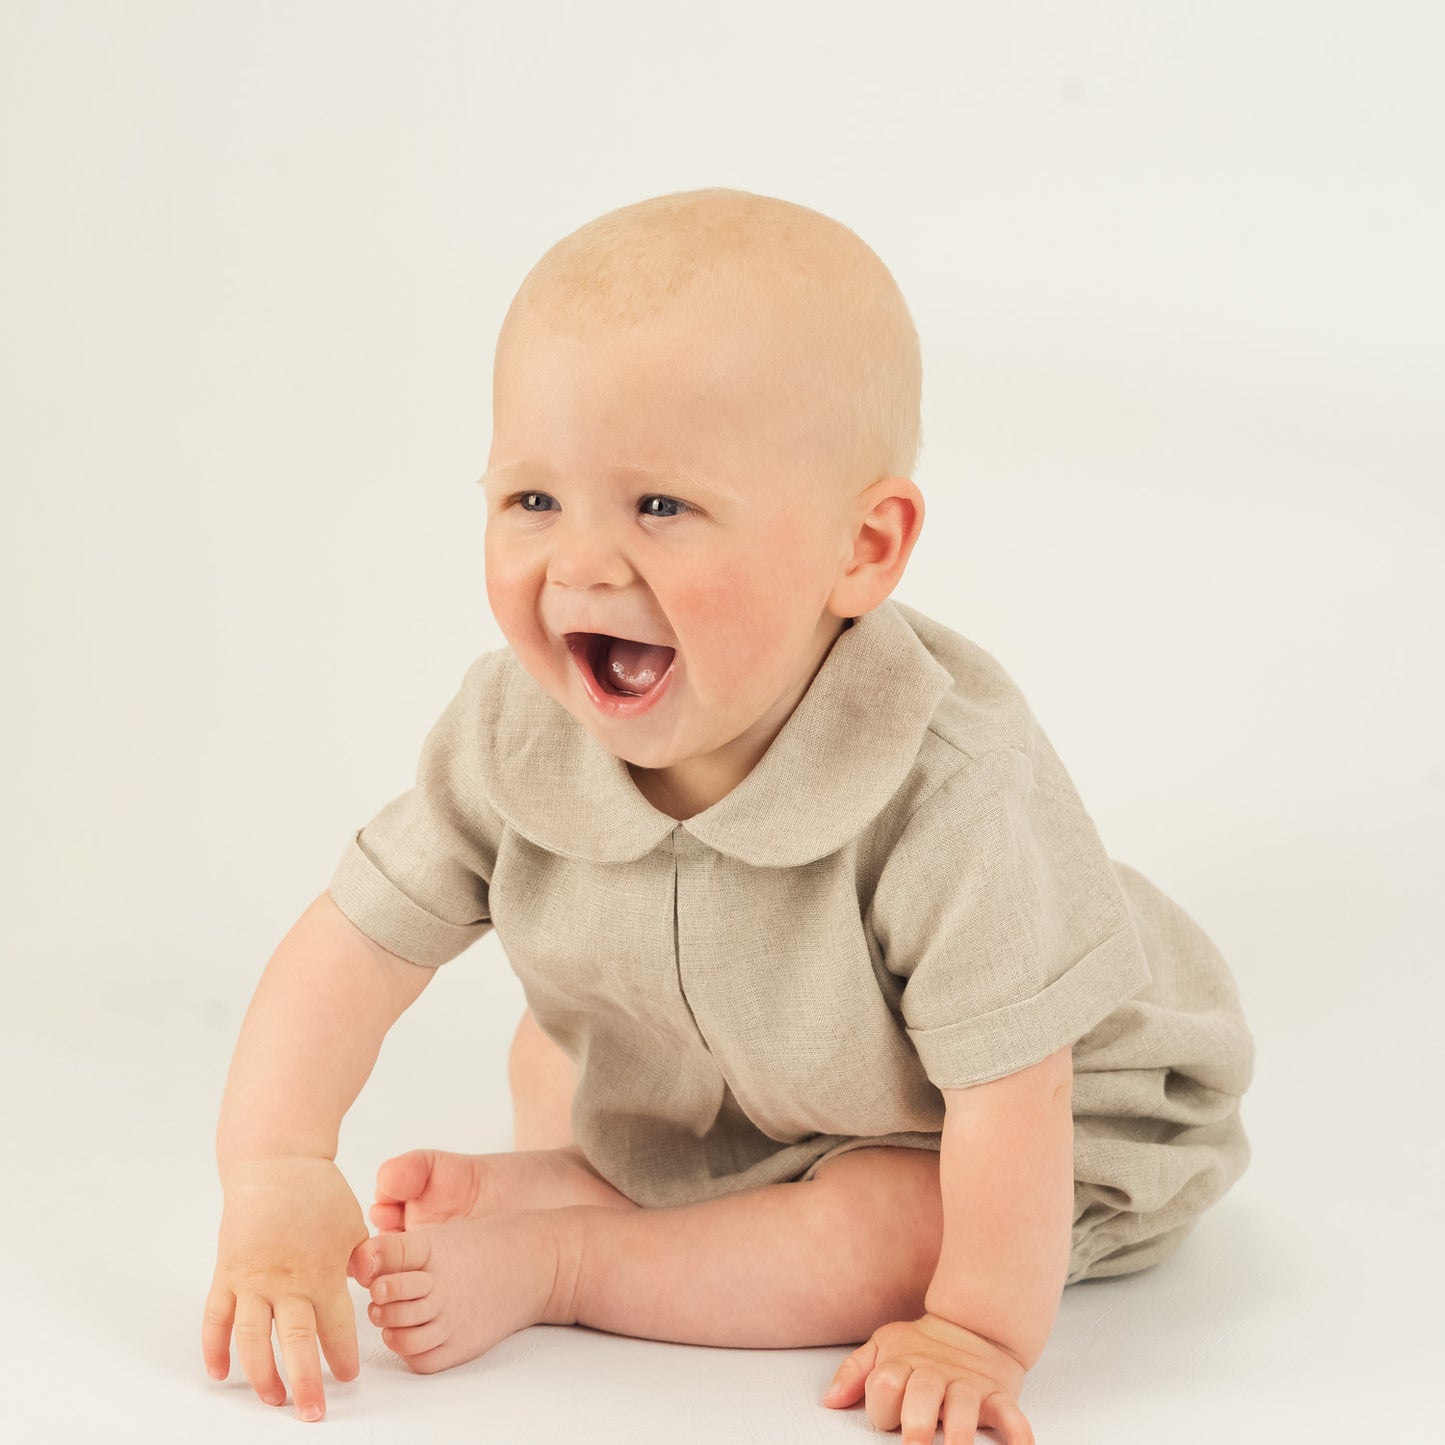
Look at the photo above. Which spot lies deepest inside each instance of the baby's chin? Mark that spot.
(624, 738)
(651, 754)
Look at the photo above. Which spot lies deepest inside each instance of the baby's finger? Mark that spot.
(1001, 1413)
(216, 1322)
(961, 1417)
(883, 1402)
(850, 1377)
(922, 1401)
(253, 1348)
(296, 1334)
(336, 1328)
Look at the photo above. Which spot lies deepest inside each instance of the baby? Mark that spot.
(842, 1024)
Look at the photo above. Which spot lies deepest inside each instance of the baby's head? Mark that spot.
(705, 419)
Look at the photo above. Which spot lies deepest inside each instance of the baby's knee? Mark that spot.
(886, 1181)
(884, 1203)
(542, 1081)
(532, 1052)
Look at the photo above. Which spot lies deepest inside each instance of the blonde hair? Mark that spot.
(734, 260)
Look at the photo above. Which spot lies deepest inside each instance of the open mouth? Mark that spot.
(620, 666)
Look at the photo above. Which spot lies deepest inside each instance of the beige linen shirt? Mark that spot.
(905, 894)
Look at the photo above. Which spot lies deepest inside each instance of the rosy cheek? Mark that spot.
(707, 601)
(511, 592)
(724, 617)
(499, 593)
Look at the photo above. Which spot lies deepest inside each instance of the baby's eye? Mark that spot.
(536, 501)
(663, 507)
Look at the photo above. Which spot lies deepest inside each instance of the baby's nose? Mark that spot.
(588, 558)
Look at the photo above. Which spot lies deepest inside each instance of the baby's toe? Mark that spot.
(385, 1254)
(387, 1217)
(408, 1341)
(390, 1288)
(405, 1176)
(406, 1312)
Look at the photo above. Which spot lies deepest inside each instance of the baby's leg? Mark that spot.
(543, 1082)
(782, 1266)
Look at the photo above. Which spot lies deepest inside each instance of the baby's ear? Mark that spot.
(888, 517)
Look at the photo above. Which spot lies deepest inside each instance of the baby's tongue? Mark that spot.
(634, 666)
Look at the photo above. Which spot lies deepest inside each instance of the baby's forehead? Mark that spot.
(740, 421)
(683, 364)
(777, 314)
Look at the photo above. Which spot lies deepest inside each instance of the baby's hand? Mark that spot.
(914, 1371)
(287, 1231)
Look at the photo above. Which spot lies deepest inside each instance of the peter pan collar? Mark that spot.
(833, 766)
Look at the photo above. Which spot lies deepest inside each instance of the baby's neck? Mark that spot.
(679, 793)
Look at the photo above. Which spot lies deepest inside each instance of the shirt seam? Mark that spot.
(976, 760)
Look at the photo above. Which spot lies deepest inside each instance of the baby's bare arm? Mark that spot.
(308, 1043)
(311, 1037)
(1006, 1169)
(1007, 1186)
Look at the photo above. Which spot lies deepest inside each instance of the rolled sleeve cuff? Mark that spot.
(977, 1050)
(397, 922)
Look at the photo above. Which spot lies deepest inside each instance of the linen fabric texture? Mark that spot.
(905, 894)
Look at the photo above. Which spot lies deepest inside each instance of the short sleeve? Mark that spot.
(1003, 913)
(416, 877)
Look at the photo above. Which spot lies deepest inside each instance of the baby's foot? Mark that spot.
(430, 1186)
(446, 1294)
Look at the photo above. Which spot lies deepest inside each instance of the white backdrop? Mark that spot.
(1176, 272)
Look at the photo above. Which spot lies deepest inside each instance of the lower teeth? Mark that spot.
(645, 682)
